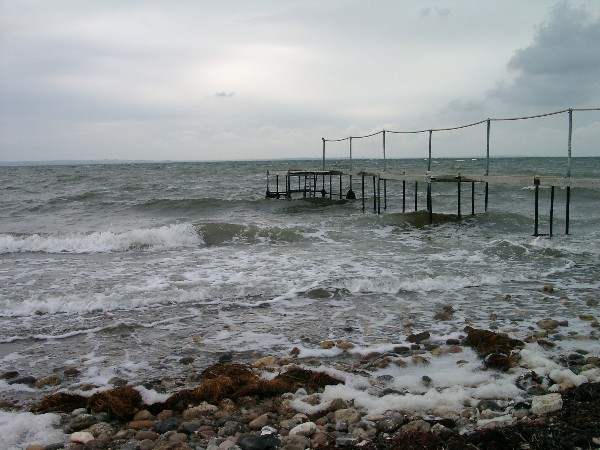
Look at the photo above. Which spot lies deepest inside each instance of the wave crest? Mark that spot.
(171, 236)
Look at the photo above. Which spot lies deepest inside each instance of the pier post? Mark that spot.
(472, 198)
(403, 196)
(385, 195)
(374, 196)
(536, 182)
(416, 194)
(378, 195)
(429, 202)
(458, 194)
(487, 163)
(341, 187)
(363, 192)
(569, 171)
(551, 208)
(323, 153)
(567, 210)
(429, 159)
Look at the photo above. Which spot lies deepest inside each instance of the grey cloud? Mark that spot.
(561, 67)
(224, 94)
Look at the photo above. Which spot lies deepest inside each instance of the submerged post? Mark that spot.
(536, 183)
(458, 194)
(363, 192)
(551, 208)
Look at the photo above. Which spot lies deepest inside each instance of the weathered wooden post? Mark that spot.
(487, 164)
(569, 171)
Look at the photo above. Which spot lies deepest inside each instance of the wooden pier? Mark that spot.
(320, 182)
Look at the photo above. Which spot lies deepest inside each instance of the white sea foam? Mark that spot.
(18, 430)
(172, 236)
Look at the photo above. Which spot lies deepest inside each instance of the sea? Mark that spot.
(151, 272)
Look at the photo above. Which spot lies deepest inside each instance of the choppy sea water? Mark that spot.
(122, 270)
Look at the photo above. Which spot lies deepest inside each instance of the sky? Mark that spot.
(269, 79)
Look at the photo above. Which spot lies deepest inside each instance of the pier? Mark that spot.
(338, 183)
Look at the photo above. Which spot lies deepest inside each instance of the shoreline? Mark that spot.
(302, 406)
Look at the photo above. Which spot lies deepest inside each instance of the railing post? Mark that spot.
(384, 160)
(323, 153)
(569, 171)
(429, 159)
(487, 163)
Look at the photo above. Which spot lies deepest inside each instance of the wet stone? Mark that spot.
(169, 424)
(346, 440)
(418, 337)
(390, 424)
(81, 422)
(252, 442)
(27, 380)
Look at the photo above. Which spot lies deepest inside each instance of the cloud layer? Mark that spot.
(268, 79)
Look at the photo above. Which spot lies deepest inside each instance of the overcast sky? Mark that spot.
(241, 79)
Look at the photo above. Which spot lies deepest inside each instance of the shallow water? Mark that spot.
(122, 270)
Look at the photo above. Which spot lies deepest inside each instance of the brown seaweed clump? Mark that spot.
(495, 348)
(60, 402)
(121, 402)
(307, 378)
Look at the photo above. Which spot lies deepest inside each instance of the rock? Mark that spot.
(169, 424)
(587, 317)
(348, 416)
(71, 372)
(81, 437)
(9, 375)
(248, 441)
(178, 437)
(548, 324)
(295, 442)
(327, 344)
(419, 360)
(338, 403)
(141, 424)
(186, 360)
(81, 422)
(146, 434)
(417, 426)
(199, 411)
(346, 440)
(230, 428)
(345, 345)
(390, 424)
(190, 427)
(259, 422)
(50, 380)
(27, 380)
(304, 429)
(265, 362)
(117, 381)
(319, 440)
(548, 288)
(446, 313)
(438, 428)
(101, 429)
(143, 414)
(225, 358)
(591, 302)
(546, 344)
(544, 404)
(35, 447)
(418, 337)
